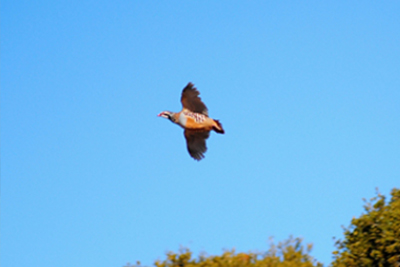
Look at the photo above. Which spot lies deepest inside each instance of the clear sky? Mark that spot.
(308, 93)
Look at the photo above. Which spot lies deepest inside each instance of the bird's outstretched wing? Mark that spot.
(196, 143)
(190, 100)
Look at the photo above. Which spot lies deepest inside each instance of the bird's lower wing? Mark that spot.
(196, 143)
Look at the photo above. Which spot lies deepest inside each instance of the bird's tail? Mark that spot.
(218, 127)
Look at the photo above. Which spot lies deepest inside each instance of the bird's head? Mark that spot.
(166, 114)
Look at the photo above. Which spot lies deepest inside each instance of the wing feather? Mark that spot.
(190, 100)
(196, 143)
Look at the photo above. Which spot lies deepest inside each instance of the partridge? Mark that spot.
(194, 119)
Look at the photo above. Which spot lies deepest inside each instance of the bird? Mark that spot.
(193, 118)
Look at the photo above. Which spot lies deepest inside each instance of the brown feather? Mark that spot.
(190, 100)
(196, 143)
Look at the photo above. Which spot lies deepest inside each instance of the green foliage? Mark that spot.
(290, 253)
(374, 238)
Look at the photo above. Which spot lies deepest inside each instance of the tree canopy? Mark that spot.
(290, 253)
(374, 238)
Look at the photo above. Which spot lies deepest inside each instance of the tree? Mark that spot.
(290, 253)
(374, 238)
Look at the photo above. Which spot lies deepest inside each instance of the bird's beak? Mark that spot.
(159, 115)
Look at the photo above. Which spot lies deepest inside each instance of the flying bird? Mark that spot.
(194, 119)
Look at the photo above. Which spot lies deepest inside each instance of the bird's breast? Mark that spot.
(182, 120)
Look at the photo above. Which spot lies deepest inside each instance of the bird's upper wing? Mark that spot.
(190, 100)
(196, 143)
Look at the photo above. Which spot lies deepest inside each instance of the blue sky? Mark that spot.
(308, 94)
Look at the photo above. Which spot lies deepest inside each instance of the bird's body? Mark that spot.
(194, 119)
